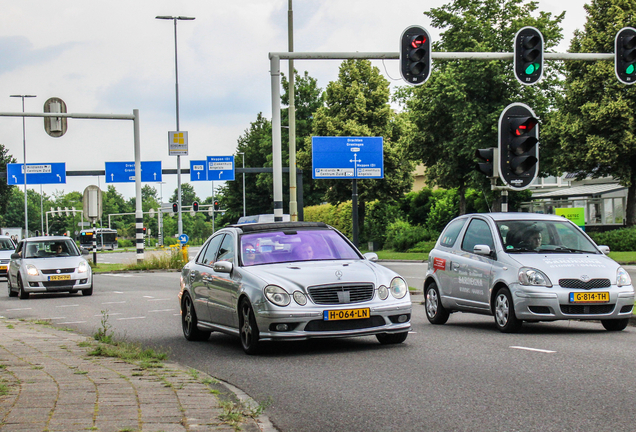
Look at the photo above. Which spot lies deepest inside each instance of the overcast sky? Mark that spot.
(114, 56)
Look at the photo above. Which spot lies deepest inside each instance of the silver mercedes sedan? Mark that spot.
(525, 267)
(290, 281)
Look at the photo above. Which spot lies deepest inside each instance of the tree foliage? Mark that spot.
(593, 131)
(357, 104)
(457, 110)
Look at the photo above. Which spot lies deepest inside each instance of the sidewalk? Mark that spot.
(49, 383)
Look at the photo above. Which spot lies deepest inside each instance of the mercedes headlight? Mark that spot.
(277, 295)
(399, 287)
(383, 292)
(533, 277)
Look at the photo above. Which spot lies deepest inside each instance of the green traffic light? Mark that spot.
(532, 68)
(630, 69)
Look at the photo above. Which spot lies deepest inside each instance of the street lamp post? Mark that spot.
(176, 74)
(26, 215)
(243, 154)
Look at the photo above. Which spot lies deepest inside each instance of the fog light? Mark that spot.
(282, 327)
(403, 318)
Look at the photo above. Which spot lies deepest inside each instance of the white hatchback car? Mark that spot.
(525, 267)
(48, 264)
(7, 247)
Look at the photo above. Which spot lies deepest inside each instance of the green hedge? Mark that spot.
(618, 240)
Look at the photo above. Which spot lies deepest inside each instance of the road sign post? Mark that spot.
(37, 173)
(220, 168)
(93, 209)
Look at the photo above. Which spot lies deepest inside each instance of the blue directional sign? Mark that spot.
(198, 171)
(347, 157)
(183, 238)
(220, 168)
(124, 172)
(37, 173)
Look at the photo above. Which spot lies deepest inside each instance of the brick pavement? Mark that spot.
(49, 383)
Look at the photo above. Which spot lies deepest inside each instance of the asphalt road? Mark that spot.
(464, 375)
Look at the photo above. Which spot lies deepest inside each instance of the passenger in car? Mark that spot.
(249, 254)
(304, 252)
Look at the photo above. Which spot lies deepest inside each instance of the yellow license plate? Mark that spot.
(346, 314)
(3, 267)
(60, 277)
(589, 297)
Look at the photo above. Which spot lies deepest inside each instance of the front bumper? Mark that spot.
(41, 283)
(544, 304)
(307, 322)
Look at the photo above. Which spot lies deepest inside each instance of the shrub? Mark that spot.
(618, 240)
(401, 235)
(124, 243)
(378, 216)
(443, 210)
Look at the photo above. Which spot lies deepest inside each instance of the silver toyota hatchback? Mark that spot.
(525, 267)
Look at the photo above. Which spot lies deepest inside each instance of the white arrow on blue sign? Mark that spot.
(220, 168)
(183, 238)
(198, 171)
(37, 173)
(124, 172)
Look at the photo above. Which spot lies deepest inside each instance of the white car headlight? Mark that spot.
(622, 277)
(533, 277)
(399, 287)
(300, 298)
(277, 295)
(82, 267)
(32, 270)
(383, 292)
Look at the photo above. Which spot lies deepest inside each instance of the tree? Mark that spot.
(188, 195)
(457, 110)
(113, 202)
(357, 104)
(256, 143)
(5, 188)
(593, 131)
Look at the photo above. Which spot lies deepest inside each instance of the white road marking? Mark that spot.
(72, 322)
(109, 314)
(54, 318)
(118, 275)
(533, 349)
(130, 318)
(161, 310)
(412, 332)
(63, 306)
(170, 299)
(18, 309)
(148, 297)
(119, 302)
(118, 292)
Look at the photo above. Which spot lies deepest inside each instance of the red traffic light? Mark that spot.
(216, 205)
(195, 206)
(418, 41)
(175, 207)
(523, 125)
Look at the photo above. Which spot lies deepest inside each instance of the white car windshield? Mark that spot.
(50, 249)
(288, 246)
(6, 245)
(543, 236)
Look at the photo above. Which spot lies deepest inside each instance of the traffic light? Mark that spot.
(144, 231)
(625, 55)
(528, 56)
(518, 146)
(489, 164)
(195, 206)
(175, 208)
(216, 205)
(415, 55)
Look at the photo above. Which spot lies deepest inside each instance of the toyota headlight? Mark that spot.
(32, 270)
(533, 277)
(622, 277)
(82, 267)
(277, 295)
(399, 288)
